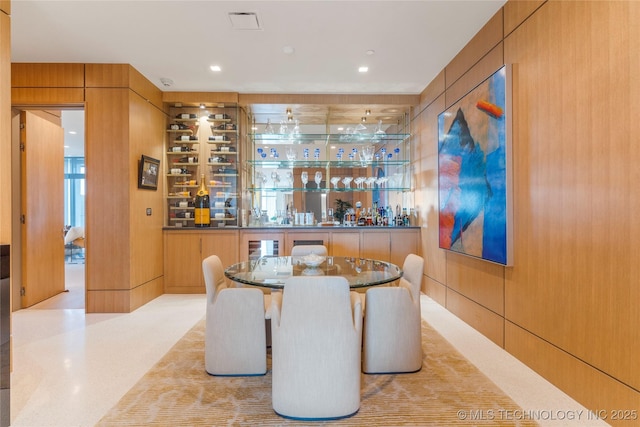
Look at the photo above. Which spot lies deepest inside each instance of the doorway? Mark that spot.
(56, 203)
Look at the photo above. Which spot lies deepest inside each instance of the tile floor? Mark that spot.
(70, 368)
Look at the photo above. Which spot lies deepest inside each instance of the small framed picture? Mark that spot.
(148, 172)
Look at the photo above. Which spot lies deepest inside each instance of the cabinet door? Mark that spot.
(183, 263)
(345, 244)
(223, 244)
(375, 245)
(255, 244)
(403, 243)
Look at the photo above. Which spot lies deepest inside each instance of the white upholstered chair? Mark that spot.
(235, 338)
(392, 324)
(316, 332)
(302, 250)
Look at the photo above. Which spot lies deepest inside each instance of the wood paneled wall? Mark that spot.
(124, 119)
(567, 308)
(5, 123)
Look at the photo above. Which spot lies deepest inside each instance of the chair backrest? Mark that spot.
(302, 250)
(309, 301)
(413, 269)
(214, 281)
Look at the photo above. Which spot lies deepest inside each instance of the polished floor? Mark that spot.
(70, 368)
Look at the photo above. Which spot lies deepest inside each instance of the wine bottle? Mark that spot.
(202, 216)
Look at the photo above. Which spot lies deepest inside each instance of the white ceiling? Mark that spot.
(412, 41)
(179, 40)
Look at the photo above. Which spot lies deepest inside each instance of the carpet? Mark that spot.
(448, 391)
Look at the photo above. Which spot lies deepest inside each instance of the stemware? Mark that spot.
(291, 153)
(290, 178)
(370, 181)
(335, 180)
(305, 178)
(268, 129)
(359, 180)
(366, 154)
(275, 178)
(347, 181)
(318, 179)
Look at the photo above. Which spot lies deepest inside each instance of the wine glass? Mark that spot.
(291, 154)
(370, 181)
(305, 178)
(290, 178)
(275, 178)
(318, 179)
(359, 180)
(347, 181)
(335, 180)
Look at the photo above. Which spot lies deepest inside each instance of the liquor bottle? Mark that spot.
(202, 207)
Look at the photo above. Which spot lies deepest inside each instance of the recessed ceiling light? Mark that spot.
(363, 69)
(215, 68)
(73, 132)
(370, 52)
(288, 50)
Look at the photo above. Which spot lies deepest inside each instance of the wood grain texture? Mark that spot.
(516, 12)
(576, 275)
(47, 96)
(345, 243)
(487, 322)
(107, 75)
(146, 136)
(60, 75)
(486, 66)
(5, 6)
(5, 126)
(182, 260)
(109, 164)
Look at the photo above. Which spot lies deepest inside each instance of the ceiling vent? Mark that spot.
(244, 21)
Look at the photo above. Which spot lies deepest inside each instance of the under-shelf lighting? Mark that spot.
(202, 106)
(364, 119)
(367, 112)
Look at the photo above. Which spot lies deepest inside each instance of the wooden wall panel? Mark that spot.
(490, 63)
(105, 301)
(47, 75)
(591, 387)
(425, 163)
(515, 12)
(324, 99)
(487, 322)
(5, 6)
(46, 96)
(5, 128)
(107, 75)
(146, 136)
(437, 291)
(143, 87)
(196, 98)
(569, 298)
(146, 292)
(108, 175)
(430, 93)
(575, 277)
(485, 40)
(481, 281)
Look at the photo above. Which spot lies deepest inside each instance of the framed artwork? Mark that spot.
(148, 171)
(474, 172)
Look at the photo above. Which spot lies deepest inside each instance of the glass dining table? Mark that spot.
(272, 271)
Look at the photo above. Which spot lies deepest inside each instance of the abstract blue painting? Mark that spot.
(474, 172)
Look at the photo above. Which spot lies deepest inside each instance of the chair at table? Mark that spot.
(316, 332)
(235, 337)
(303, 250)
(392, 324)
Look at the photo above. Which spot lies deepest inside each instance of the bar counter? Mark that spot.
(186, 247)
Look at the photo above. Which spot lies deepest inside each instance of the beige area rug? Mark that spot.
(447, 391)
